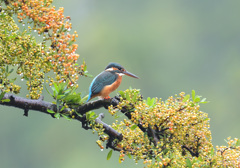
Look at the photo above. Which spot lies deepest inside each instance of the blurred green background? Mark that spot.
(172, 46)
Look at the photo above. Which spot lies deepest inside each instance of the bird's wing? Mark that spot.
(103, 79)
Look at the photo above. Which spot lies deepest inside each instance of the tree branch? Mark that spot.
(42, 106)
(189, 150)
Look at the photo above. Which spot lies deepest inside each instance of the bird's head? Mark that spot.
(118, 69)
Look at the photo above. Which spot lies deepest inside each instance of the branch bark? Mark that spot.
(42, 106)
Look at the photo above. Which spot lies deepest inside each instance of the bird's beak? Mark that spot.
(130, 74)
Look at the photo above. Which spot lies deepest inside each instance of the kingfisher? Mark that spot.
(108, 81)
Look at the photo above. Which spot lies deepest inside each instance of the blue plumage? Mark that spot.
(90, 92)
(109, 77)
(99, 82)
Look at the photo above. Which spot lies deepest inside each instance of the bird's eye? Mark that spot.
(121, 69)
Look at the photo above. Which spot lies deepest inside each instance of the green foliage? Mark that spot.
(133, 127)
(63, 94)
(91, 116)
(188, 163)
(66, 97)
(50, 111)
(109, 154)
(1, 95)
(1, 98)
(150, 102)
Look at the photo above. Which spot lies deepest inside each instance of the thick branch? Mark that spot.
(23, 103)
(42, 106)
(95, 105)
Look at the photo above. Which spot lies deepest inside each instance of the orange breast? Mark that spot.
(110, 88)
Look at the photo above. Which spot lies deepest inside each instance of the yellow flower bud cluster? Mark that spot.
(178, 126)
(228, 156)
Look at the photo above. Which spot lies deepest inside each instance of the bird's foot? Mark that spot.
(106, 98)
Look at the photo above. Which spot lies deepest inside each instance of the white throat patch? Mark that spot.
(109, 69)
(120, 74)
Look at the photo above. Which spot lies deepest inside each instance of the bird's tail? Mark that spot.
(89, 97)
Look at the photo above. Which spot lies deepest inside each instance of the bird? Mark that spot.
(108, 81)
